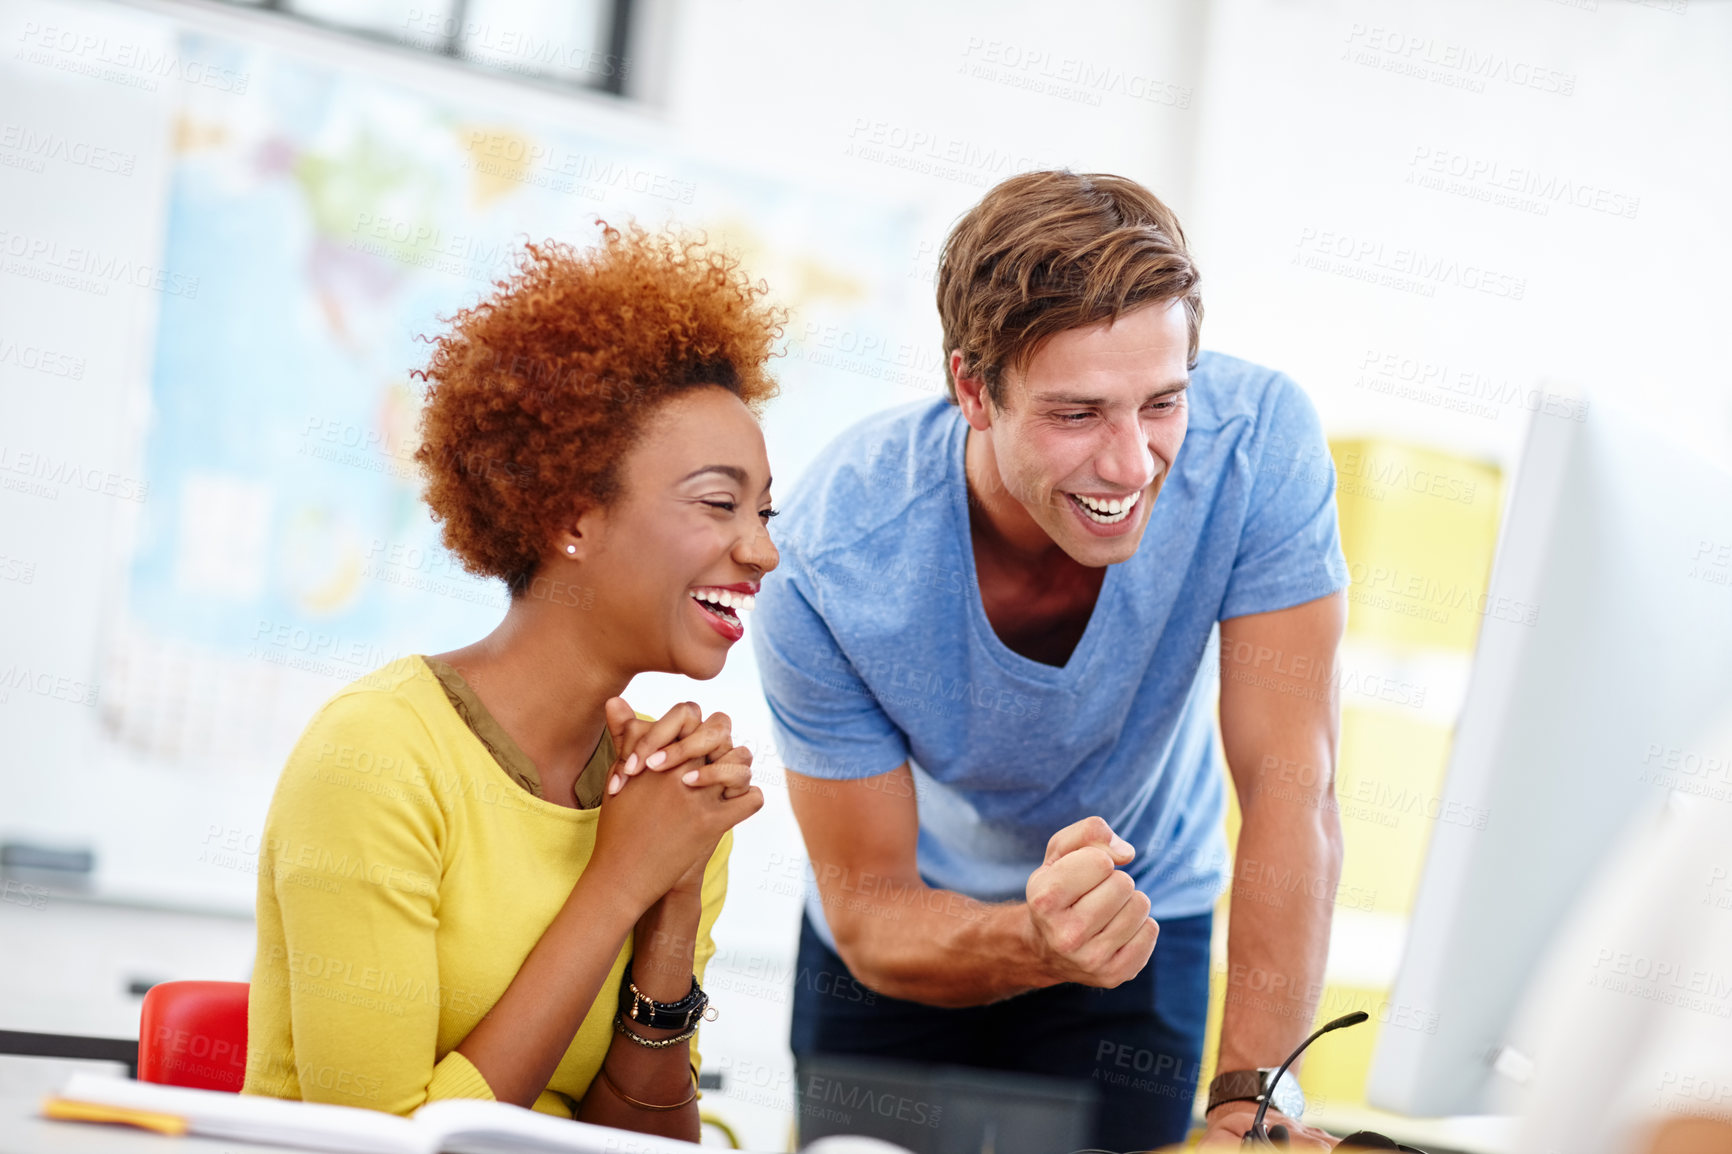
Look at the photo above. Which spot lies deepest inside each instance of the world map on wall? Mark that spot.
(330, 221)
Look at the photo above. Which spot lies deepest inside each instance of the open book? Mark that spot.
(450, 1126)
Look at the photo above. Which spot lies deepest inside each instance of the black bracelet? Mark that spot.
(639, 1007)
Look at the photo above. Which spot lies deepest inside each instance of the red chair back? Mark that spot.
(194, 1034)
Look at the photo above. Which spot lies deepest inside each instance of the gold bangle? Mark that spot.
(629, 1100)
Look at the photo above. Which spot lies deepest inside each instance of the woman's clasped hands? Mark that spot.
(676, 786)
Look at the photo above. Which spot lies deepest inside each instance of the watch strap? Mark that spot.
(1251, 1086)
(1235, 1086)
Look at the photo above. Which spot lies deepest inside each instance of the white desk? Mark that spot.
(23, 1132)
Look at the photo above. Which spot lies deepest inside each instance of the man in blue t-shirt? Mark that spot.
(992, 653)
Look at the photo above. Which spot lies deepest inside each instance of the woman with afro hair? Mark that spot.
(486, 876)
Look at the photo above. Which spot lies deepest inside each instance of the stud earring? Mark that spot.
(571, 548)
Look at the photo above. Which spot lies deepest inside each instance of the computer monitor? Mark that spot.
(1605, 648)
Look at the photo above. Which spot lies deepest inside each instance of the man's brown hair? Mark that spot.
(1045, 252)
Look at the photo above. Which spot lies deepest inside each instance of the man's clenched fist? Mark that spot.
(1087, 921)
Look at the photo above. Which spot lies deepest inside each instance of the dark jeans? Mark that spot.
(1140, 1044)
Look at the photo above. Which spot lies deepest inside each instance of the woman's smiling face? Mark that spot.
(673, 562)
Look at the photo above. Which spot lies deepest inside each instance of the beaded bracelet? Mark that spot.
(619, 1027)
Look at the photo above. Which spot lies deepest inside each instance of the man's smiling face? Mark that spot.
(1087, 435)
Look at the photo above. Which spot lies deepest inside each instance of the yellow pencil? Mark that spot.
(70, 1111)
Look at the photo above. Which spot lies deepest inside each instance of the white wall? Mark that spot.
(1316, 143)
(942, 100)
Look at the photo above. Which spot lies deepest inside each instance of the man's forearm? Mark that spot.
(937, 947)
(1279, 728)
(1083, 920)
(1284, 878)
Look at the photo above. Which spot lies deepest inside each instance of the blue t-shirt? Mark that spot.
(875, 650)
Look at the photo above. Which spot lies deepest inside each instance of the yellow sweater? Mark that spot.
(405, 877)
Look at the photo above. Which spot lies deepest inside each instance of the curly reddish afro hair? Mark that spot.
(535, 394)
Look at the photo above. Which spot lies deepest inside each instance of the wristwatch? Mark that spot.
(1252, 1085)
